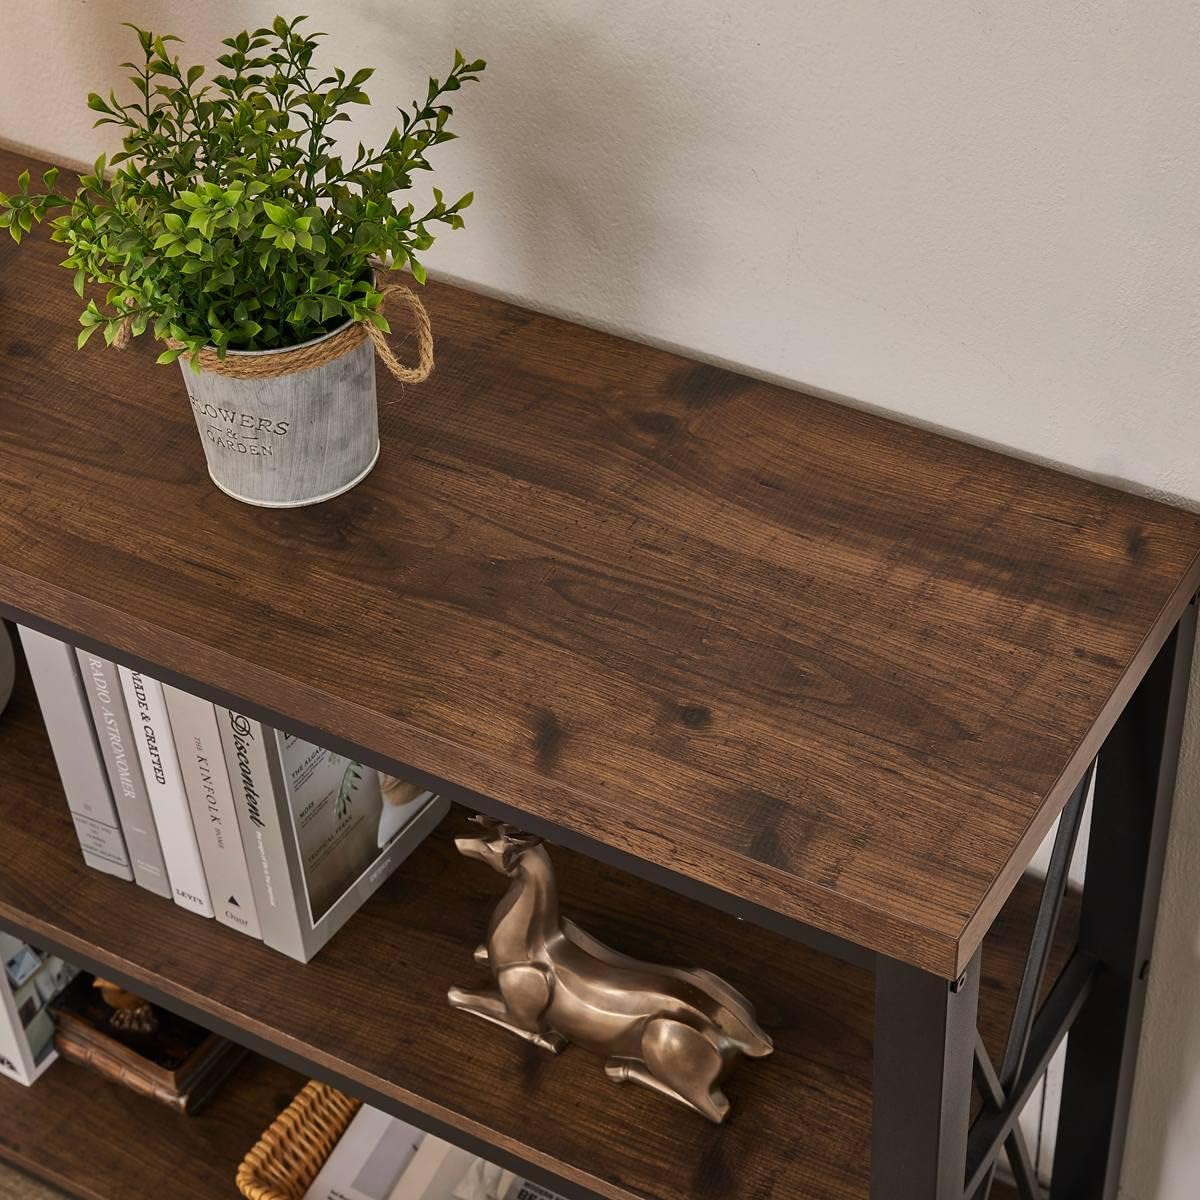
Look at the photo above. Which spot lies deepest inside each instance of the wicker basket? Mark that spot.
(291, 1152)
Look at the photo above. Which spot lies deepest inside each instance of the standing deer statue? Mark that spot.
(680, 1032)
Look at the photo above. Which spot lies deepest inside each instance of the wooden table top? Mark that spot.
(820, 661)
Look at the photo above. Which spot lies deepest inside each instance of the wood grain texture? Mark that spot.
(370, 1013)
(99, 1141)
(820, 661)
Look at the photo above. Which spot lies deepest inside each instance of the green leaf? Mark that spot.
(228, 190)
(85, 333)
(170, 355)
(23, 183)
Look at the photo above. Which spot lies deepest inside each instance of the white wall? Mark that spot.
(984, 215)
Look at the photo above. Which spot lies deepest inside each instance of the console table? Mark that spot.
(795, 690)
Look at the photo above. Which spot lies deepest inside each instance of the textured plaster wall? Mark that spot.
(980, 214)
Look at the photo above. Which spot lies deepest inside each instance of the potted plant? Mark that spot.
(231, 228)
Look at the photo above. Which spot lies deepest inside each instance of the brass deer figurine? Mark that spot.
(680, 1032)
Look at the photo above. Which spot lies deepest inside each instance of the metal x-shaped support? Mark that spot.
(929, 1061)
(1000, 1090)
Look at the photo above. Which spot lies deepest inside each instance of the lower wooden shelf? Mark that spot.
(370, 1014)
(98, 1141)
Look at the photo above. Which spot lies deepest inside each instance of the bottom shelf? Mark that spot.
(99, 1141)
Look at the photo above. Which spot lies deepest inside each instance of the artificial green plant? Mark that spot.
(229, 218)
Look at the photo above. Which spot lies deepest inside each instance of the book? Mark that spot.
(164, 783)
(206, 782)
(76, 751)
(383, 1158)
(29, 983)
(368, 1160)
(111, 718)
(440, 1171)
(319, 835)
(159, 1055)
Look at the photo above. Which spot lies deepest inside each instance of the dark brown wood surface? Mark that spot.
(841, 668)
(370, 1011)
(99, 1141)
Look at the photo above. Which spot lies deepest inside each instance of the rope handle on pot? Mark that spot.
(424, 367)
(302, 358)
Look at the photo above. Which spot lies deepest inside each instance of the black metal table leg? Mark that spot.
(924, 1062)
(1135, 782)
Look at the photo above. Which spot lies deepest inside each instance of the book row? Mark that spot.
(263, 831)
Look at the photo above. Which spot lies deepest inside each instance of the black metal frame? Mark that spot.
(924, 1047)
(928, 1052)
(1131, 818)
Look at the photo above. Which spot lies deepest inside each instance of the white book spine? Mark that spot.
(245, 743)
(76, 752)
(206, 781)
(111, 719)
(164, 783)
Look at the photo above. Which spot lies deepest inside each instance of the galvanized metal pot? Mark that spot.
(288, 440)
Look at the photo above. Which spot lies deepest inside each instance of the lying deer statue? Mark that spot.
(680, 1032)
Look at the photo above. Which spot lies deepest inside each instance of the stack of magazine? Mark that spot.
(382, 1158)
(269, 834)
(30, 981)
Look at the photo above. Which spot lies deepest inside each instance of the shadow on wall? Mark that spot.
(567, 140)
(550, 219)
